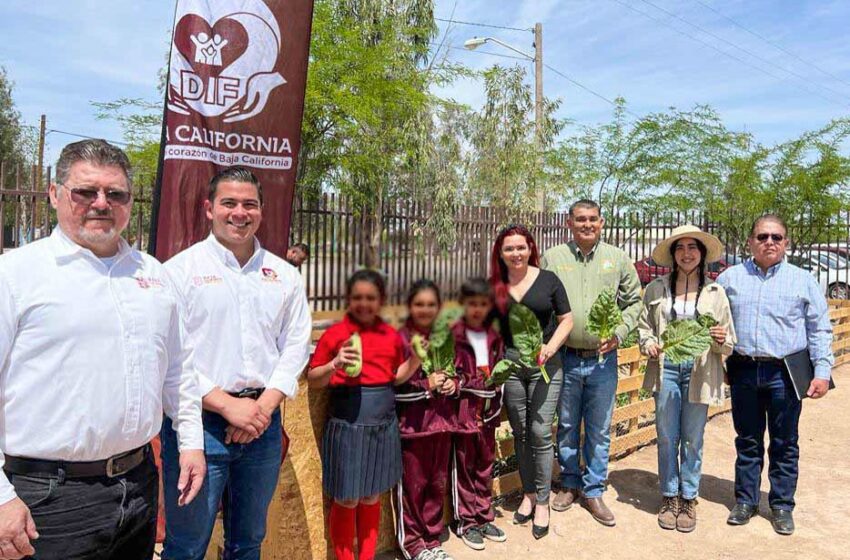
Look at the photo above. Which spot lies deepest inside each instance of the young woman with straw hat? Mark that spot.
(683, 392)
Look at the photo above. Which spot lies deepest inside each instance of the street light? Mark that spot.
(537, 58)
(475, 42)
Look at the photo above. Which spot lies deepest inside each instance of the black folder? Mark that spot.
(802, 372)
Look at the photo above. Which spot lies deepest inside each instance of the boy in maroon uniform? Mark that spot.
(477, 349)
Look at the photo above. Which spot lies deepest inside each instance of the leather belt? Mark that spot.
(757, 359)
(582, 353)
(116, 465)
(250, 393)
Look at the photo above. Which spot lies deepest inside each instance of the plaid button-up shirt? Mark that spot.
(779, 313)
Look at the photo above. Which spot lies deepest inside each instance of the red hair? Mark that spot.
(498, 269)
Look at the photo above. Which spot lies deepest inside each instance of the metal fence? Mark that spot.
(407, 249)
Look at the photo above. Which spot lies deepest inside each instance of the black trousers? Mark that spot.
(95, 518)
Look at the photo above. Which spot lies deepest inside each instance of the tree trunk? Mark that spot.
(372, 230)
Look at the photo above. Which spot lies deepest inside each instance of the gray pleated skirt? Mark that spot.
(361, 446)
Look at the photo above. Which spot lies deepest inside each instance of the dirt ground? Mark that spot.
(821, 515)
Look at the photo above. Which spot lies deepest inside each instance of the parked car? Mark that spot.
(648, 270)
(831, 270)
(841, 249)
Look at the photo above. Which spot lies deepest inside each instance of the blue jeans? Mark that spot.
(241, 477)
(681, 426)
(763, 397)
(587, 395)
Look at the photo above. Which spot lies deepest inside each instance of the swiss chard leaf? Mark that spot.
(527, 336)
(501, 372)
(440, 354)
(630, 340)
(604, 315)
(686, 339)
(526, 332)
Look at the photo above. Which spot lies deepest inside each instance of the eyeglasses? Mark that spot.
(85, 195)
(775, 237)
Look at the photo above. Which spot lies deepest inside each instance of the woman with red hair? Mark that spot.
(529, 400)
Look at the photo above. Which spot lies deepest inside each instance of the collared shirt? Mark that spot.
(779, 312)
(90, 356)
(585, 276)
(247, 326)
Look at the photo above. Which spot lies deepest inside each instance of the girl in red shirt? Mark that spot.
(361, 449)
(427, 414)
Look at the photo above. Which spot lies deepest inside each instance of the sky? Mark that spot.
(772, 68)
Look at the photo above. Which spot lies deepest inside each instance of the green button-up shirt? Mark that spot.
(585, 277)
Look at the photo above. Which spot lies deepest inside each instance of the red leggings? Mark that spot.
(363, 520)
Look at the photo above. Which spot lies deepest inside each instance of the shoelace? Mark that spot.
(689, 507)
(669, 504)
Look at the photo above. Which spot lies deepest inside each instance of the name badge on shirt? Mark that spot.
(206, 280)
(269, 275)
(148, 282)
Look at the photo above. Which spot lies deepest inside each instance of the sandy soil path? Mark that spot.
(822, 515)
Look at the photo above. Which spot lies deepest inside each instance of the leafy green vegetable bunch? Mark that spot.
(604, 316)
(439, 353)
(528, 340)
(687, 339)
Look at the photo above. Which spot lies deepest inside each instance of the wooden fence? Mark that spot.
(297, 526)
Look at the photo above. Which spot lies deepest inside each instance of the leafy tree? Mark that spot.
(652, 163)
(805, 180)
(17, 142)
(367, 88)
(141, 124)
(508, 164)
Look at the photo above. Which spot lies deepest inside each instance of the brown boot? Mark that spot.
(565, 499)
(686, 521)
(599, 511)
(668, 511)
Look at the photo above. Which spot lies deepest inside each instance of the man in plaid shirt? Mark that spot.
(778, 310)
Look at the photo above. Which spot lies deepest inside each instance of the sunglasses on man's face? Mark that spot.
(775, 237)
(84, 195)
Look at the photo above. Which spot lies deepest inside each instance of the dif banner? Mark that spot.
(236, 81)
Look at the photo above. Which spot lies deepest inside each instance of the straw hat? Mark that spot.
(661, 253)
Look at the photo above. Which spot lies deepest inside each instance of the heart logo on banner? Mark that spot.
(229, 30)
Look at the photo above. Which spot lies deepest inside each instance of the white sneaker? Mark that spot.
(440, 554)
(425, 554)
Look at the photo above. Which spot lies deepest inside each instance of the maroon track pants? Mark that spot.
(472, 478)
(421, 493)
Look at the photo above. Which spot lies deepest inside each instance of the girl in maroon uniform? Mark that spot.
(477, 349)
(427, 415)
(361, 449)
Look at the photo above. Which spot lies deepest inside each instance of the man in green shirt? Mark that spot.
(588, 266)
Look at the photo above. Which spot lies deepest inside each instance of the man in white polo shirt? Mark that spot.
(248, 325)
(91, 353)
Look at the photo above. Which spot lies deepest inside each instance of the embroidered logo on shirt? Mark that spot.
(269, 275)
(209, 279)
(607, 265)
(146, 283)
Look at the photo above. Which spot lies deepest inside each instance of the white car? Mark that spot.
(831, 270)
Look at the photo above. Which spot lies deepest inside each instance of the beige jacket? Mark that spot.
(706, 385)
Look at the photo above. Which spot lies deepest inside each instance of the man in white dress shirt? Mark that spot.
(91, 353)
(248, 327)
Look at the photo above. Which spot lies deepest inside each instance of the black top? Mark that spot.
(547, 298)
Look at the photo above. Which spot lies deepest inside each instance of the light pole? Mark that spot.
(537, 59)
